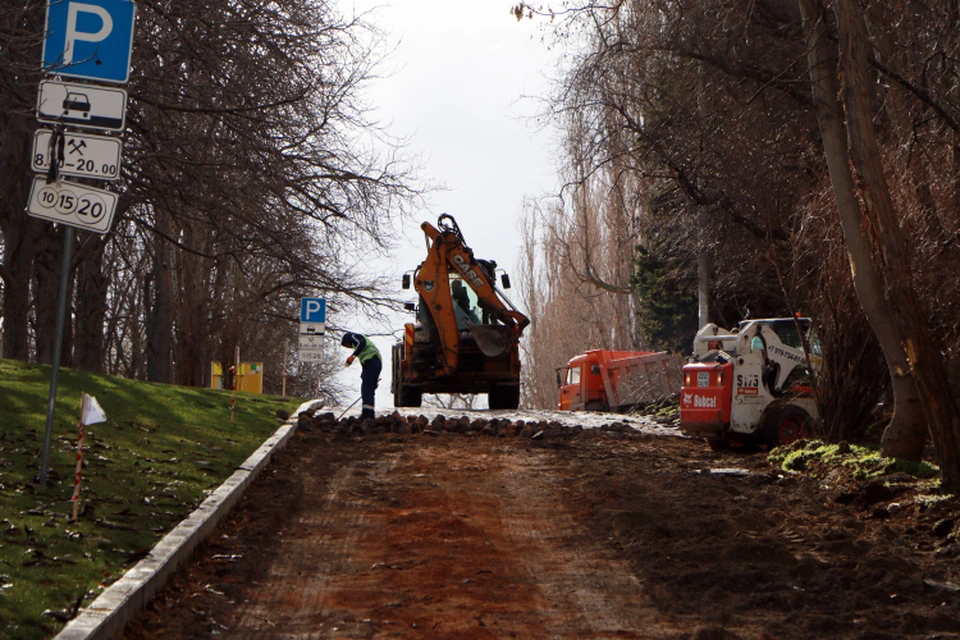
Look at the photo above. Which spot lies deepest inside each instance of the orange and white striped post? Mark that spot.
(76, 478)
(236, 372)
(90, 413)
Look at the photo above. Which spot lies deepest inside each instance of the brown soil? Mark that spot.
(601, 533)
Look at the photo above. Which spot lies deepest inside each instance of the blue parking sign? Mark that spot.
(313, 310)
(92, 39)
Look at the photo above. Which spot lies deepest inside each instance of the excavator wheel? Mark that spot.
(504, 396)
(786, 425)
(407, 397)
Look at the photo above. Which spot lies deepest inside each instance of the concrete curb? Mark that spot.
(108, 614)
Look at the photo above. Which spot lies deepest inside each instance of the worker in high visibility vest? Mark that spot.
(372, 363)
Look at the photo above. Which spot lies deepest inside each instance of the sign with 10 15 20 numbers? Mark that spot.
(313, 317)
(72, 204)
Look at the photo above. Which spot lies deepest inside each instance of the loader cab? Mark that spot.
(781, 343)
(786, 330)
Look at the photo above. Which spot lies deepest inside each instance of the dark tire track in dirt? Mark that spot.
(456, 537)
(578, 534)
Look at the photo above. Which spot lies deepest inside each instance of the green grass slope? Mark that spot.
(162, 450)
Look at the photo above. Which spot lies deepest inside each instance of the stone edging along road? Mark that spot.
(114, 608)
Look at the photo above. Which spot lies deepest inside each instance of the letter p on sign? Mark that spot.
(91, 39)
(313, 310)
(73, 33)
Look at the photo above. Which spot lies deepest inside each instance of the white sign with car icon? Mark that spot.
(82, 105)
(76, 105)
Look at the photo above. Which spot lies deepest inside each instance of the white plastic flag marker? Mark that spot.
(90, 413)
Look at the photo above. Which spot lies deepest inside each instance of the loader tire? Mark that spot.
(718, 444)
(787, 425)
(504, 396)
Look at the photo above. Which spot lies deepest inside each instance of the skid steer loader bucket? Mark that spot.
(493, 340)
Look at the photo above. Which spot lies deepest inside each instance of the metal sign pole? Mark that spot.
(57, 349)
(74, 51)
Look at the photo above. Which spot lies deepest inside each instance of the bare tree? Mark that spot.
(21, 35)
(251, 174)
(723, 137)
(878, 253)
(667, 115)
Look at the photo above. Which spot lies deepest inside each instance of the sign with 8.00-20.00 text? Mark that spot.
(72, 204)
(84, 156)
(310, 348)
(92, 39)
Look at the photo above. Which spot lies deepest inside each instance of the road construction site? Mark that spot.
(500, 524)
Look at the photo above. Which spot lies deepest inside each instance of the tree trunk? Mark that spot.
(92, 286)
(703, 287)
(18, 232)
(22, 27)
(906, 435)
(925, 364)
(19, 245)
(158, 305)
(193, 330)
(47, 265)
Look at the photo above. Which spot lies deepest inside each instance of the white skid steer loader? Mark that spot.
(751, 385)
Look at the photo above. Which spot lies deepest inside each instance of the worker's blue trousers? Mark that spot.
(369, 378)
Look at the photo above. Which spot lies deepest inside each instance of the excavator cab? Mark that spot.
(465, 307)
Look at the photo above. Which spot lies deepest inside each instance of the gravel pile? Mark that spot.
(436, 426)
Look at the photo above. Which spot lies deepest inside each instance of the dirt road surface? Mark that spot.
(553, 532)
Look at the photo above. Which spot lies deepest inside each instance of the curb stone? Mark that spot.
(106, 616)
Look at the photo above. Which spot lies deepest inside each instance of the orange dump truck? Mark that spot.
(603, 380)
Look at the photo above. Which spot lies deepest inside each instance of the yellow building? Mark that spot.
(249, 376)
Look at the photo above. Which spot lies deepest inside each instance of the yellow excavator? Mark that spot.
(466, 338)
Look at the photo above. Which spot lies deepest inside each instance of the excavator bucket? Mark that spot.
(493, 340)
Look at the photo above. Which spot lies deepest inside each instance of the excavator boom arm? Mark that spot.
(448, 253)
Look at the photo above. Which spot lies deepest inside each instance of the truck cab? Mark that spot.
(581, 388)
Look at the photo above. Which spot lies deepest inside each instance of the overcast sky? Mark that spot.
(464, 87)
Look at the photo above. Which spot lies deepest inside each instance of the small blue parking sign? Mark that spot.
(313, 310)
(91, 39)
